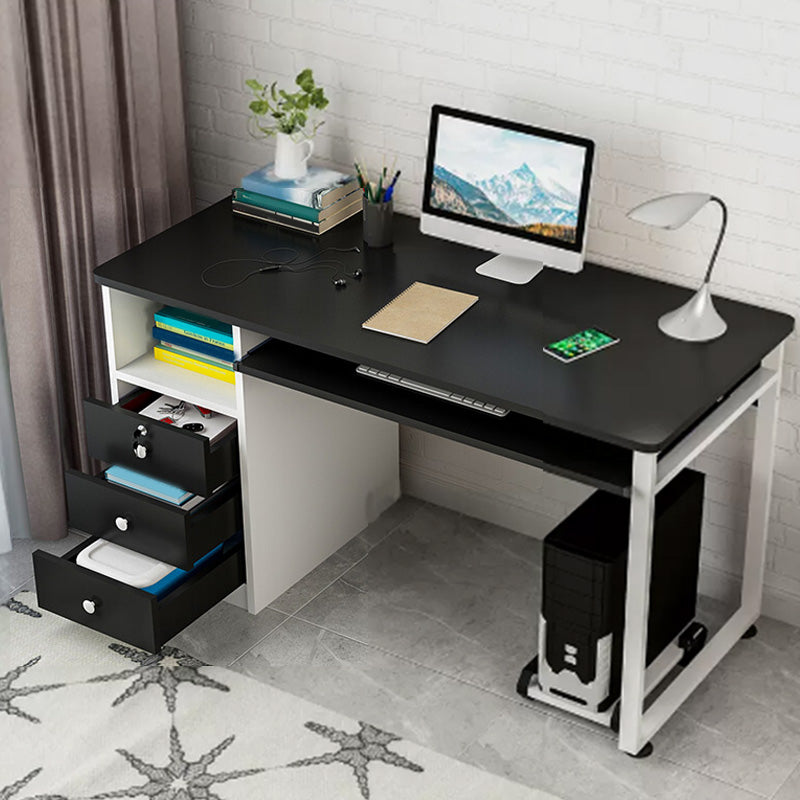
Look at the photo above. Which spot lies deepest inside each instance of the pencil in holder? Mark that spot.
(377, 223)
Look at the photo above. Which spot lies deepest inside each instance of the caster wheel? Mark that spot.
(528, 671)
(646, 751)
(692, 641)
(750, 632)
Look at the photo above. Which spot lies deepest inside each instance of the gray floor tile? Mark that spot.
(442, 591)
(791, 789)
(723, 732)
(225, 632)
(308, 587)
(370, 684)
(579, 764)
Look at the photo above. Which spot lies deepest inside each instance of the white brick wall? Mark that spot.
(678, 95)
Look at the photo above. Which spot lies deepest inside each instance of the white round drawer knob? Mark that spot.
(90, 606)
(122, 523)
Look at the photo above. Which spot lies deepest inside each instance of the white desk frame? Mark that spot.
(651, 473)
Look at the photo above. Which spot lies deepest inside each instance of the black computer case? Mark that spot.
(583, 589)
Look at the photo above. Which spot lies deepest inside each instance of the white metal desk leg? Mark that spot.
(637, 601)
(761, 491)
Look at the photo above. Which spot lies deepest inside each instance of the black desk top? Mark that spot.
(640, 394)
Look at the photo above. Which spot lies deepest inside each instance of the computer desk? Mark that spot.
(318, 443)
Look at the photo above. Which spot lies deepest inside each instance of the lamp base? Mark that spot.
(695, 321)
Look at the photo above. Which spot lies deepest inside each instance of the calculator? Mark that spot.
(580, 344)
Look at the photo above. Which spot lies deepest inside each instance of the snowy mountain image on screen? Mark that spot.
(519, 199)
(452, 193)
(529, 199)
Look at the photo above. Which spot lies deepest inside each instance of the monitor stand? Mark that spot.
(510, 269)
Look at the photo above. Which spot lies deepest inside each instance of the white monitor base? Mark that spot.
(510, 269)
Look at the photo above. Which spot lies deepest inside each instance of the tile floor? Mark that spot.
(421, 624)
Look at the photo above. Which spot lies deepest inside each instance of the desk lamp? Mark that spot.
(697, 320)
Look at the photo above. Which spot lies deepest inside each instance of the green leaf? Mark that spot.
(273, 92)
(302, 101)
(301, 119)
(305, 80)
(259, 107)
(253, 84)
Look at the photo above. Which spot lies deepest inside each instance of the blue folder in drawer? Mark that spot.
(138, 481)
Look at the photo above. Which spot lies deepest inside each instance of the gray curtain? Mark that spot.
(94, 160)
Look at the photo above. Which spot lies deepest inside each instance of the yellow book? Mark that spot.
(192, 335)
(171, 357)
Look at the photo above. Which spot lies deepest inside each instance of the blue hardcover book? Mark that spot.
(195, 324)
(204, 348)
(144, 483)
(318, 189)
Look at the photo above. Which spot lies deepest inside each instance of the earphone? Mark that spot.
(290, 265)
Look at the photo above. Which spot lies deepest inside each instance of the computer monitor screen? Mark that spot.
(517, 180)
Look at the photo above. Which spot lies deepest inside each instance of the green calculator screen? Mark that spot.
(580, 344)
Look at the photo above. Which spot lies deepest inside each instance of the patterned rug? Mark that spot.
(82, 716)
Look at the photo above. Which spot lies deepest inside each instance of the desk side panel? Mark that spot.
(315, 473)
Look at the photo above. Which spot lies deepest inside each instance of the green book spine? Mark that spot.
(274, 204)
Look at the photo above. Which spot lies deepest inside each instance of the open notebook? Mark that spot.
(420, 312)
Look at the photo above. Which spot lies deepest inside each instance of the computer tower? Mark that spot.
(583, 589)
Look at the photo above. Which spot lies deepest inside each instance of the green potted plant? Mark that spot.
(290, 118)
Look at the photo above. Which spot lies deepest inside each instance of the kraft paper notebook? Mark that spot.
(420, 312)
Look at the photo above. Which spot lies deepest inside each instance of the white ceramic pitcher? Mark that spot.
(291, 157)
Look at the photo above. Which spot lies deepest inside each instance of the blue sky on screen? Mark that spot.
(473, 149)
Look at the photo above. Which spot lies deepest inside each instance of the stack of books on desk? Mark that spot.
(194, 342)
(314, 203)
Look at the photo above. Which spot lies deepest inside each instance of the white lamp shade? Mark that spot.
(670, 211)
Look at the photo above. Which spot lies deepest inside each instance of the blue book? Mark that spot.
(209, 329)
(153, 487)
(204, 348)
(318, 189)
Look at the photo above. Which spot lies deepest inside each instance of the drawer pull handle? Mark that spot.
(122, 523)
(90, 606)
(140, 448)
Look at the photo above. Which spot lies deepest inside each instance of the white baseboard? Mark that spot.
(723, 586)
(454, 493)
(477, 501)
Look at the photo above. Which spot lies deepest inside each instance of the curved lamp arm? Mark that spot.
(724, 208)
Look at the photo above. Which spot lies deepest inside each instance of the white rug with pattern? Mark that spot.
(84, 717)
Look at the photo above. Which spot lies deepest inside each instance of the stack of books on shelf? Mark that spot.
(194, 342)
(314, 203)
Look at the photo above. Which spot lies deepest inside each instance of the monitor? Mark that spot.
(513, 189)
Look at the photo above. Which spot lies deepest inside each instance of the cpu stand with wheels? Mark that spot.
(582, 618)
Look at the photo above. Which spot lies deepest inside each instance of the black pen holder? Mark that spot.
(377, 223)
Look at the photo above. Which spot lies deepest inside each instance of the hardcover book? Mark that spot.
(190, 324)
(194, 364)
(295, 209)
(190, 342)
(298, 223)
(317, 189)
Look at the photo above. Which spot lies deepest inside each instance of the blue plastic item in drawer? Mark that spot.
(178, 576)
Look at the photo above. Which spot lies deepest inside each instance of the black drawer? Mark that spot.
(157, 529)
(175, 455)
(124, 612)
